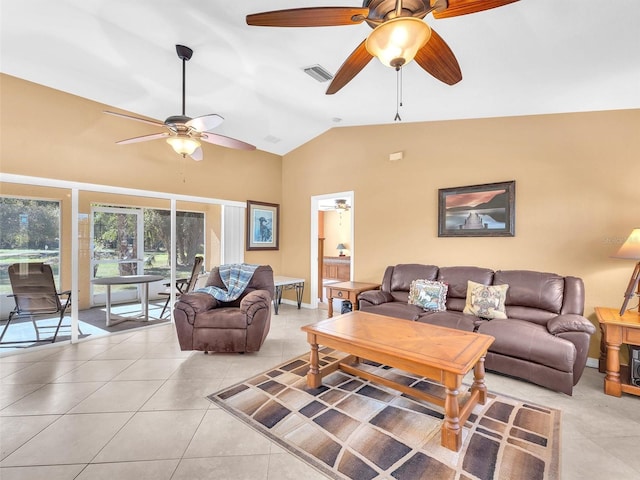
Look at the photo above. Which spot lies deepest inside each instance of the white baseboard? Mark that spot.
(294, 303)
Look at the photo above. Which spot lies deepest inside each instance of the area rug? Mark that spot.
(351, 428)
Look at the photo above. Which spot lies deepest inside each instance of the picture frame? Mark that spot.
(263, 225)
(486, 210)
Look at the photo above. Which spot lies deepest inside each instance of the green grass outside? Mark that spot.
(155, 264)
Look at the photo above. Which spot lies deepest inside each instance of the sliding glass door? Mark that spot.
(117, 249)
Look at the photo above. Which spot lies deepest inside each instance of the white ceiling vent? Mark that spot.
(321, 74)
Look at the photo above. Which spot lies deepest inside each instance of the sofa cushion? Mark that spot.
(531, 342)
(428, 294)
(262, 279)
(403, 274)
(543, 291)
(486, 301)
(395, 309)
(457, 277)
(456, 320)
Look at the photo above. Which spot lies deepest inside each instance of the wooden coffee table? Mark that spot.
(441, 354)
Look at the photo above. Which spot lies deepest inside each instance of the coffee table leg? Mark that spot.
(478, 381)
(451, 431)
(314, 380)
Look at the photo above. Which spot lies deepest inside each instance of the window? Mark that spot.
(29, 232)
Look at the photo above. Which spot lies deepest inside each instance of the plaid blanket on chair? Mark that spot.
(236, 277)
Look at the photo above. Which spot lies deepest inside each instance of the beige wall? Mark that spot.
(577, 195)
(50, 134)
(576, 176)
(337, 229)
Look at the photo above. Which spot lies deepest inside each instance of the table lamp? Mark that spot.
(630, 249)
(341, 247)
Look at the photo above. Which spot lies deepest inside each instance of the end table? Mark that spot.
(348, 291)
(616, 330)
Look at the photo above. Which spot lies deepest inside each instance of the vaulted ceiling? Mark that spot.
(529, 57)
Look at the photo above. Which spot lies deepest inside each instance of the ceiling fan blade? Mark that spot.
(437, 58)
(197, 154)
(309, 17)
(143, 138)
(225, 141)
(138, 119)
(463, 7)
(350, 68)
(205, 122)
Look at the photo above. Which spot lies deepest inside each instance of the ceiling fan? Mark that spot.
(398, 37)
(341, 204)
(185, 133)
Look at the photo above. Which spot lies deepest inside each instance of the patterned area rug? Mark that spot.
(351, 428)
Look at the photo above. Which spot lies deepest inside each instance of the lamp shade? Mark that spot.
(397, 41)
(183, 145)
(630, 249)
(341, 246)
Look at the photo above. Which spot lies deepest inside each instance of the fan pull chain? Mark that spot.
(398, 94)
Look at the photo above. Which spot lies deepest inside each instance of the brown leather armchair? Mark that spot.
(206, 324)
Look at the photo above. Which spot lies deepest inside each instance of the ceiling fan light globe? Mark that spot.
(397, 41)
(183, 145)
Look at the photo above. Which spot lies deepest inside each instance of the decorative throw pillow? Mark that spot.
(428, 294)
(486, 301)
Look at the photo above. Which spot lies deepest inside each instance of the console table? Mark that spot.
(287, 283)
(616, 330)
(348, 291)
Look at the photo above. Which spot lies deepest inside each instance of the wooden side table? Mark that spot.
(348, 291)
(617, 330)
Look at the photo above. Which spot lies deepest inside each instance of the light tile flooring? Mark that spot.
(133, 406)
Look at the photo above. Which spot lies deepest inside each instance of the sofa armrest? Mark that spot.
(253, 302)
(199, 302)
(375, 297)
(570, 323)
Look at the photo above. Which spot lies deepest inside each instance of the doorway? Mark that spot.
(326, 236)
(117, 248)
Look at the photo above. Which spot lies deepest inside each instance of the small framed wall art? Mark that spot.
(263, 225)
(477, 210)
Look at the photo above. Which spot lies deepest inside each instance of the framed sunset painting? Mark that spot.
(486, 210)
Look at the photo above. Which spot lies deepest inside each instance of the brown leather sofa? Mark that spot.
(544, 339)
(204, 323)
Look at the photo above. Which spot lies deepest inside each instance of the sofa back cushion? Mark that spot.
(456, 278)
(262, 279)
(533, 296)
(397, 279)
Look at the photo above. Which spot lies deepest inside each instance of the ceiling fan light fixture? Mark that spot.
(183, 145)
(397, 41)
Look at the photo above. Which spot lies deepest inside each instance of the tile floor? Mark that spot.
(133, 406)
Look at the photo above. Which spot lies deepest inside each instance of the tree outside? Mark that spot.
(30, 231)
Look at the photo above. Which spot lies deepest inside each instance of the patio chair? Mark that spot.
(183, 285)
(35, 294)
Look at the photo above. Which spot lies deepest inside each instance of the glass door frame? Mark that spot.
(117, 296)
